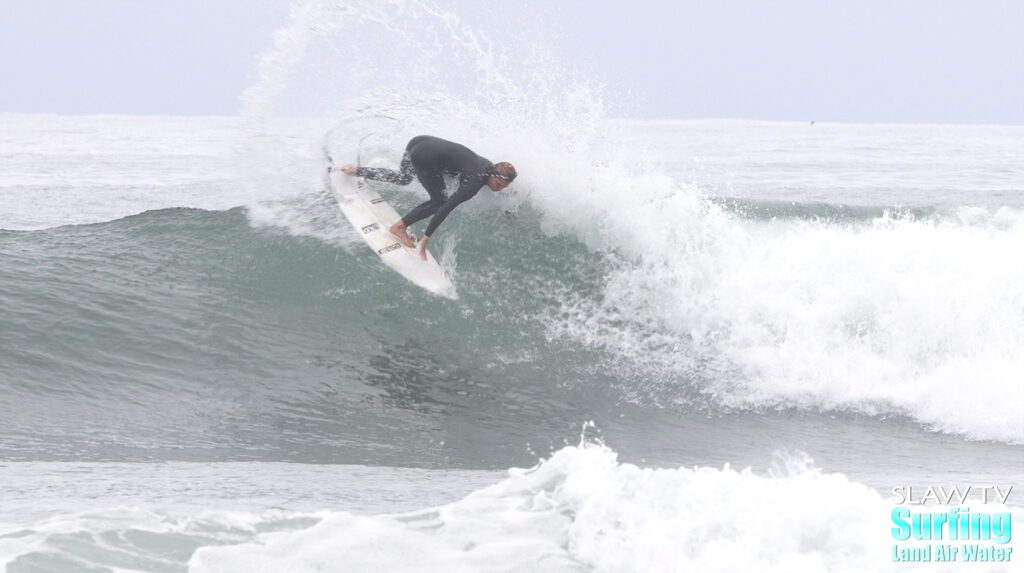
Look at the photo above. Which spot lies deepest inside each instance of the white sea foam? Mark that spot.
(900, 314)
(582, 510)
(895, 315)
(579, 510)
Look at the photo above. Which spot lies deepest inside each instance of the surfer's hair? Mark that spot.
(504, 170)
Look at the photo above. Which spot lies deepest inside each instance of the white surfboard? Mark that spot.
(372, 216)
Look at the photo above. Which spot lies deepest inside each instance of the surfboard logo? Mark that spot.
(389, 248)
(370, 228)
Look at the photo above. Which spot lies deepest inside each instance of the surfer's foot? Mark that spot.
(398, 230)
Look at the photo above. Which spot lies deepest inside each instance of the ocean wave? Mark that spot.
(872, 312)
(582, 510)
(890, 316)
(841, 300)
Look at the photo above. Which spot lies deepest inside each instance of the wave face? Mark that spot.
(191, 334)
(184, 333)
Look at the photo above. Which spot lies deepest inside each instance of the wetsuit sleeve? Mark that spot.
(465, 192)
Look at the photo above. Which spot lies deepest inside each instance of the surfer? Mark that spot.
(429, 159)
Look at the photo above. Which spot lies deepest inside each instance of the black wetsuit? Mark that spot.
(429, 159)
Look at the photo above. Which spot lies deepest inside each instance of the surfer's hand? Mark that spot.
(423, 247)
(348, 170)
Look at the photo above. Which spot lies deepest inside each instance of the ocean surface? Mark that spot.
(703, 345)
(763, 330)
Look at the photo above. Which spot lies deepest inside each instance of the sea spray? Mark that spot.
(419, 69)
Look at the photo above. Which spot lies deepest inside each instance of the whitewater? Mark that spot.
(687, 345)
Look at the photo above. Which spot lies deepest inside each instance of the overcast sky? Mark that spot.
(855, 61)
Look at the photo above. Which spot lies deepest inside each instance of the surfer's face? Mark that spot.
(497, 183)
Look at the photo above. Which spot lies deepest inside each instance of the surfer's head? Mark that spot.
(502, 174)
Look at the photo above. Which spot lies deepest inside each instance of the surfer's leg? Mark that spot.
(422, 211)
(434, 186)
(433, 182)
(403, 176)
